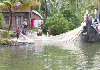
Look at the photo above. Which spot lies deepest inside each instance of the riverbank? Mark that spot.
(62, 38)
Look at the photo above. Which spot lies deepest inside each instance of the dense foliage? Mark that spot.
(57, 23)
(6, 28)
(4, 34)
(61, 23)
(74, 20)
(73, 11)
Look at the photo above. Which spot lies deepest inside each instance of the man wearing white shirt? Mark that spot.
(25, 23)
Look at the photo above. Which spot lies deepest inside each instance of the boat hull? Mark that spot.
(89, 34)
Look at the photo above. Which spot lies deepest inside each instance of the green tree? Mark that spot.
(73, 19)
(0, 19)
(99, 10)
(57, 23)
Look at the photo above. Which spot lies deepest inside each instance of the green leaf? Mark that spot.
(8, 3)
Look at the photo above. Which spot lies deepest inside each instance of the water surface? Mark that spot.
(75, 55)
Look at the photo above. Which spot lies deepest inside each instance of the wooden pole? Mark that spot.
(10, 16)
(76, 6)
(99, 10)
(46, 8)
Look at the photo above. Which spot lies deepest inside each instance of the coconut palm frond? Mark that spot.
(7, 2)
(26, 5)
(34, 3)
(3, 5)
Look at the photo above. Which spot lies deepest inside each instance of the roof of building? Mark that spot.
(37, 14)
(4, 10)
(16, 10)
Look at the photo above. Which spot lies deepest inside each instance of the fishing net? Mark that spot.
(23, 38)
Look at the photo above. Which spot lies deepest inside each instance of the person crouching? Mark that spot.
(39, 33)
(24, 31)
(48, 32)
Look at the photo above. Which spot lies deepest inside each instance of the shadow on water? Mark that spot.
(75, 55)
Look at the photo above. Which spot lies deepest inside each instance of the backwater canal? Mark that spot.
(75, 55)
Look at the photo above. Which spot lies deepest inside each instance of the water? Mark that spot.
(64, 56)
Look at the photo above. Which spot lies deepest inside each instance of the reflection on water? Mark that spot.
(68, 56)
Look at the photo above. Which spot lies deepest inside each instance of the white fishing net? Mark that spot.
(23, 38)
(65, 37)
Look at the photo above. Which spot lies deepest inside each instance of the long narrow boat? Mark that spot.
(90, 33)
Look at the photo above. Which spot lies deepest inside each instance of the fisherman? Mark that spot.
(85, 18)
(18, 32)
(96, 21)
(90, 19)
(39, 33)
(48, 32)
(25, 24)
(24, 31)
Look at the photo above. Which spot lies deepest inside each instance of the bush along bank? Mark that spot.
(4, 37)
(5, 42)
(57, 24)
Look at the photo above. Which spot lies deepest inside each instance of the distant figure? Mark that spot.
(48, 32)
(39, 33)
(95, 20)
(96, 23)
(24, 31)
(18, 32)
(87, 17)
(90, 19)
(25, 24)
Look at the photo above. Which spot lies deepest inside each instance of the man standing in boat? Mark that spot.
(90, 19)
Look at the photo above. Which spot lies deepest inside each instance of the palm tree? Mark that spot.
(49, 6)
(76, 6)
(10, 6)
(58, 8)
(72, 4)
(99, 10)
(40, 7)
(46, 8)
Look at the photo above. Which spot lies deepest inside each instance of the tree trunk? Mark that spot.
(30, 16)
(10, 16)
(49, 6)
(99, 10)
(10, 20)
(76, 6)
(65, 4)
(58, 8)
(40, 7)
(46, 8)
